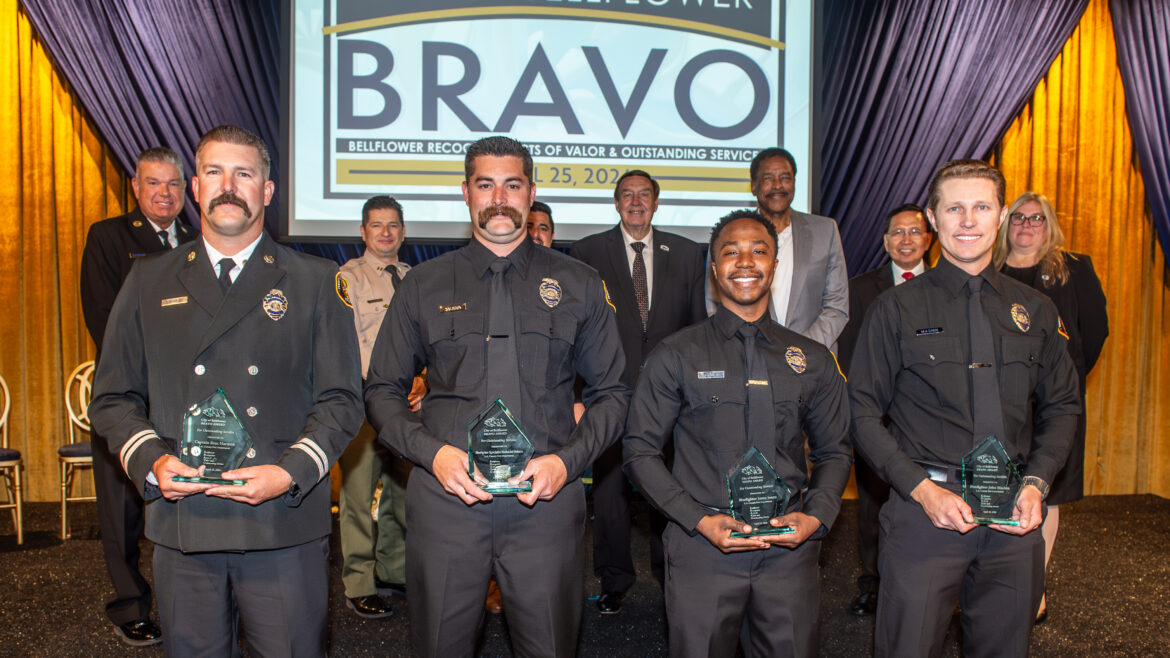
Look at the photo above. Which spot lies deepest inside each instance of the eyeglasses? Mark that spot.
(899, 233)
(1019, 218)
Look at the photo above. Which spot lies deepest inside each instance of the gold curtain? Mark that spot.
(60, 179)
(1072, 143)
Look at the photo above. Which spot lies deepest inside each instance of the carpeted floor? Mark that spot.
(1108, 592)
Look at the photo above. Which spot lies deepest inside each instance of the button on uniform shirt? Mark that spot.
(911, 363)
(694, 388)
(438, 319)
(369, 288)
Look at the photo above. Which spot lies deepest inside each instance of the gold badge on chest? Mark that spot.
(1021, 318)
(275, 304)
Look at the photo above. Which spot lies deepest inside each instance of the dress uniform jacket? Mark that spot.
(282, 347)
(111, 248)
(911, 364)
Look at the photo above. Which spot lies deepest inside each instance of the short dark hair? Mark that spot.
(381, 202)
(240, 137)
(540, 206)
(617, 186)
(745, 213)
(768, 154)
(905, 207)
(964, 169)
(497, 146)
(159, 154)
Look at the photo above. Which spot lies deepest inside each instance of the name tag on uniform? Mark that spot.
(374, 301)
(137, 254)
(174, 301)
(710, 374)
(928, 331)
(455, 307)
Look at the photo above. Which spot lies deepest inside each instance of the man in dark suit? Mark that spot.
(906, 238)
(112, 247)
(263, 324)
(656, 280)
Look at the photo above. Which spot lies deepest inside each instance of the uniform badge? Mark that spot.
(190, 256)
(137, 223)
(795, 358)
(269, 259)
(275, 304)
(342, 288)
(550, 292)
(1021, 318)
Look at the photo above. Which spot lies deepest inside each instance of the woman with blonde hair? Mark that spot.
(1030, 249)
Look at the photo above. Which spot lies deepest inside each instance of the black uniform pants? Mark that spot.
(281, 595)
(710, 595)
(120, 517)
(535, 553)
(612, 560)
(996, 578)
(872, 493)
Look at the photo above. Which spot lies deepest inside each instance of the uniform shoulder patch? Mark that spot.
(1060, 328)
(341, 286)
(605, 289)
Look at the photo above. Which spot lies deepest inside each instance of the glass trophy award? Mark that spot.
(213, 437)
(990, 483)
(497, 450)
(756, 495)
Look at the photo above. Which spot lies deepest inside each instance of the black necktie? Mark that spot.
(165, 237)
(503, 374)
(395, 278)
(225, 273)
(759, 415)
(986, 408)
(641, 290)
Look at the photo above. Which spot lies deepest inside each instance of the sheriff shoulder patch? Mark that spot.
(342, 288)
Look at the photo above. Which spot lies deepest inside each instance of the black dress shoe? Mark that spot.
(609, 604)
(141, 633)
(397, 589)
(369, 607)
(865, 604)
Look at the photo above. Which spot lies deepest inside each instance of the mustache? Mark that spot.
(486, 214)
(229, 197)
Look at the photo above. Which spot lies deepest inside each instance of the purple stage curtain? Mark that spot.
(909, 85)
(1142, 31)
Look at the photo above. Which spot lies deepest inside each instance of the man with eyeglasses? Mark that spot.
(906, 237)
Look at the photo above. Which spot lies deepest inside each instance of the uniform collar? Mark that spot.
(481, 257)
(728, 323)
(953, 279)
(376, 265)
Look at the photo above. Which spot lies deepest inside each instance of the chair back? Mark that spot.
(78, 392)
(4, 415)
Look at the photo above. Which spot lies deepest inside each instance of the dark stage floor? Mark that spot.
(1108, 592)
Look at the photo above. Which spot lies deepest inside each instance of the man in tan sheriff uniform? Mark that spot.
(373, 555)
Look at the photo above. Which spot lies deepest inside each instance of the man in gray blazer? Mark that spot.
(236, 312)
(810, 291)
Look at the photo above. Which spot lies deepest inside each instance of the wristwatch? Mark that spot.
(1038, 483)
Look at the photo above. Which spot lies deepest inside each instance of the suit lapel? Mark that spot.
(143, 233)
(661, 265)
(801, 243)
(247, 293)
(199, 279)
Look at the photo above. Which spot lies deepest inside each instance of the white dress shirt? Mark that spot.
(240, 258)
(647, 257)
